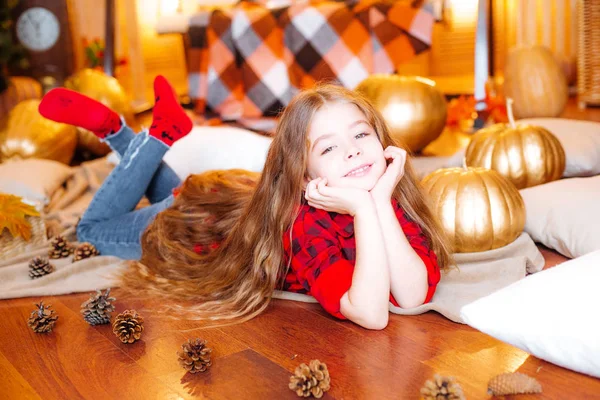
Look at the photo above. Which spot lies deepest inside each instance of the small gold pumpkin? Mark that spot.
(478, 208)
(108, 91)
(527, 155)
(26, 134)
(412, 106)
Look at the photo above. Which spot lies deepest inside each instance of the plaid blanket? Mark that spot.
(249, 61)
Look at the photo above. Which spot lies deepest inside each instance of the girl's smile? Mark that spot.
(359, 171)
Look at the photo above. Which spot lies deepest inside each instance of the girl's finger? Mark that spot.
(395, 150)
(316, 205)
(322, 183)
(310, 189)
(316, 195)
(326, 191)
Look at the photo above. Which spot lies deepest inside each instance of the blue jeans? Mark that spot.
(111, 222)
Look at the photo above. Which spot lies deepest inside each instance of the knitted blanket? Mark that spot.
(476, 275)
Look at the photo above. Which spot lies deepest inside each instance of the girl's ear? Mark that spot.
(305, 182)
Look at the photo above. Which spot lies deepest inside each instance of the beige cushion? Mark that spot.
(34, 179)
(581, 141)
(565, 215)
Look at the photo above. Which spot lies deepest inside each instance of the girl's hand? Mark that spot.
(382, 192)
(339, 200)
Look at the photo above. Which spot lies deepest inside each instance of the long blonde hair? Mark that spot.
(248, 214)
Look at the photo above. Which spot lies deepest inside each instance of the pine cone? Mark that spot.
(195, 356)
(96, 310)
(59, 248)
(513, 383)
(312, 379)
(128, 326)
(442, 388)
(85, 250)
(43, 319)
(39, 267)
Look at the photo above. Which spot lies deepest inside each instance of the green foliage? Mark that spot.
(94, 52)
(11, 53)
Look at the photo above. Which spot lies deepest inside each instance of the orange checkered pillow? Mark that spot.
(259, 58)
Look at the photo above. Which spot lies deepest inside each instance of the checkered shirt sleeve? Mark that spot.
(420, 244)
(317, 260)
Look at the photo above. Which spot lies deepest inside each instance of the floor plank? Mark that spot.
(72, 362)
(552, 258)
(290, 334)
(12, 383)
(162, 337)
(591, 113)
(243, 375)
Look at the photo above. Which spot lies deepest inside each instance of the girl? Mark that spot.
(337, 213)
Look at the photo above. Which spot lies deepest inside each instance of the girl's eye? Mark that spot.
(361, 135)
(327, 150)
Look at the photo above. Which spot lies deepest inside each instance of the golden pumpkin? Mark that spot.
(527, 155)
(108, 91)
(478, 208)
(29, 135)
(536, 82)
(414, 109)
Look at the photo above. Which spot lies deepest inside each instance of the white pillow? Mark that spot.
(424, 165)
(551, 314)
(565, 215)
(580, 139)
(209, 148)
(33, 178)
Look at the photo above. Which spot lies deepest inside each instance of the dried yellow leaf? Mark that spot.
(13, 213)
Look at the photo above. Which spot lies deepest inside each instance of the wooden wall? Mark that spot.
(147, 53)
(450, 60)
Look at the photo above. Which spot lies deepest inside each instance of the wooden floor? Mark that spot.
(254, 360)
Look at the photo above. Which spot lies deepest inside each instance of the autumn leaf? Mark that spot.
(13, 213)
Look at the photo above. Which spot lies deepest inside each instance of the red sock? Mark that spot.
(170, 122)
(70, 107)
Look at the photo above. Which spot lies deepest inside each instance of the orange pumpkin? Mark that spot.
(536, 82)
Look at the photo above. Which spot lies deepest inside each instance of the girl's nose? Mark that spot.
(353, 152)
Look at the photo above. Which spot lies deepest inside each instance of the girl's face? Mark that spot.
(344, 148)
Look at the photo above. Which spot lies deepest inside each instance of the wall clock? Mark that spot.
(44, 29)
(38, 29)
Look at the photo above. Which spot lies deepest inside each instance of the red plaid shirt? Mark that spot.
(323, 252)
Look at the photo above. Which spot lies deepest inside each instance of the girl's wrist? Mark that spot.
(366, 205)
(382, 201)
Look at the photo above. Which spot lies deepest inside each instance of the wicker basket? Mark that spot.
(12, 247)
(588, 64)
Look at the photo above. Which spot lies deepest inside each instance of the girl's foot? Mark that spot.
(170, 122)
(73, 108)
